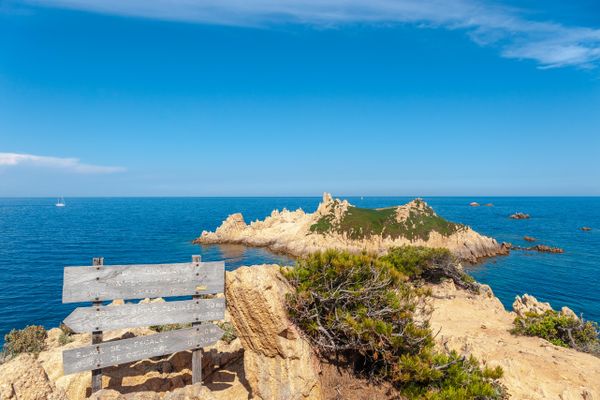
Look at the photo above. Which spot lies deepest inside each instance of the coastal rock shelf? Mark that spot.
(340, 225)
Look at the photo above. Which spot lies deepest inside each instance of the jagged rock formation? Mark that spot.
(278, 362)
(338, 224)
(542, 248)
(534, 369)
(529, 304)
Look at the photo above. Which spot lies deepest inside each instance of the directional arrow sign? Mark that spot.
(139, 348)
(104, 318)
(100, 283)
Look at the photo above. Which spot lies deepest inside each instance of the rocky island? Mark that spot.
(340, 225)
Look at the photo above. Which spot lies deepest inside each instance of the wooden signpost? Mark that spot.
(99, 283)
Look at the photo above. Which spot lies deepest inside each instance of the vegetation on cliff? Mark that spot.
(31, 339)
(418, 221)
(560, 329)
(369, 313)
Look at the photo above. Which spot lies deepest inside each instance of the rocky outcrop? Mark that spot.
(279, 363)
(24, 379)
(294, 233)
(586, 228)
(474, 204)
(529, 239)
(534, 369)
(520, 215)
(529, 304)
(268, 360)
(542, 248)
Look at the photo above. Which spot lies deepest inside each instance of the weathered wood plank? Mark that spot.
(196, 353)
(97, 337)
(139, 348)
(104, 318)
(100, 283)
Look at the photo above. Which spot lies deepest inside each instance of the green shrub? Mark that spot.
(230, 333)
(169, 327)
(31, 339)
(65, 334)
(561, 330)
(361, 311)
(428, 264)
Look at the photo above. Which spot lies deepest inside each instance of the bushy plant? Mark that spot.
(65, 335)
(31, 339)
(561, 330)
(428, 264)
(230, 333)
(169, 327)
(362, 311)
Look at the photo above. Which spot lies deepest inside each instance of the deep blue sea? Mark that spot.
(38, 239)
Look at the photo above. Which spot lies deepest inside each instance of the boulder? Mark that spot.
(474, 204)
(586, 228)
(526, 303)
(23, 378)
(278, 361)
(529, 239)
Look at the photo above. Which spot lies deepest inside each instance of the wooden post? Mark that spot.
(196, 353)
(97, 336)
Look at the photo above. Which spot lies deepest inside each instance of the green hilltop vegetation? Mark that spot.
(361, 223)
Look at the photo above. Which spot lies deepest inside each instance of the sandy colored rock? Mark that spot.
(534, 369)
(529, 304)
(23, 378)
(278, 362)
(289, 232)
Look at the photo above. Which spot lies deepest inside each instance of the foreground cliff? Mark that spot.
(340, 225)
(271, 360)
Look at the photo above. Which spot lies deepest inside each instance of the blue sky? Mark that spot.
(157, 97)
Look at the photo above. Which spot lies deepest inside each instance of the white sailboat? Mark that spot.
(61, 202)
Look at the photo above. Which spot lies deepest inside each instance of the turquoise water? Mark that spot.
(38, 239)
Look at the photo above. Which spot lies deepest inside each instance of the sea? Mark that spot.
(38, 239)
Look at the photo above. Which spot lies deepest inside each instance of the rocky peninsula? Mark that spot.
(340, 225)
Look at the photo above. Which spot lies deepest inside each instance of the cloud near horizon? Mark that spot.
(68, 164)
(549, 44)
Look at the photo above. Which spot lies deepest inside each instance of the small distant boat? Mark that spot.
(60, 202)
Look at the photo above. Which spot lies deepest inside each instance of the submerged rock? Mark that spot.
(586, 228)
(529, 239)
(520, 215)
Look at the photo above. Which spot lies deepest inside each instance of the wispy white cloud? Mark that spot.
(68, 164)
(549, 44)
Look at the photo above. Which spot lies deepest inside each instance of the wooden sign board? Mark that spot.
(138, 348)
(99, 283)
(104, 318)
